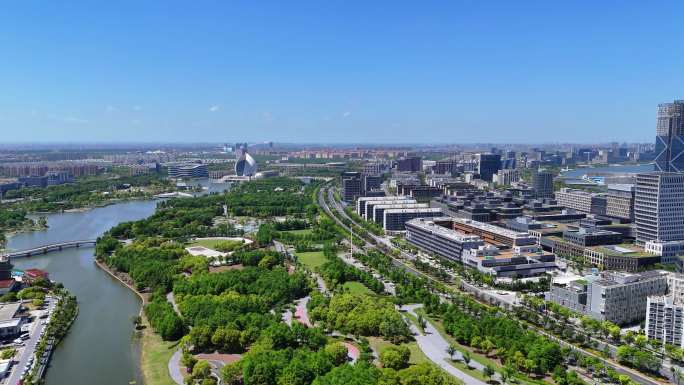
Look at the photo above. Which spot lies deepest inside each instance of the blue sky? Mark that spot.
(338, 71)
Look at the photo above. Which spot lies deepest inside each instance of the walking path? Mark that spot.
(175, 367)
(435, 348)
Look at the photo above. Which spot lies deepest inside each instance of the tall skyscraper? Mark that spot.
(542, 183)
(659, 207)
(488, 165)
(669, 146)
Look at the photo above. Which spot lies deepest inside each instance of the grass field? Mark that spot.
(311, 259)
(357, 288)
(299, 232)
(417, 356)
(155, 356)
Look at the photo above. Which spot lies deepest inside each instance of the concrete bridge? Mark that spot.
(44, 249)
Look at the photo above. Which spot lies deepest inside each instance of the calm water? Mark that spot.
(578, 172)
(100, 348)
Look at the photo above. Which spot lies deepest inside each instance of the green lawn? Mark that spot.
(417, 356)
(312, 259)
(155, 356)
(357, 288)
(210, 243)
(299, 232)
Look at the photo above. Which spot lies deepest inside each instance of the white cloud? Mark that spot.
(135, 122)
(214, 108)
(346, 114)
(110, 108)
(137, 108)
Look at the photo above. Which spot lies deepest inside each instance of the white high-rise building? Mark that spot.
(659, 207)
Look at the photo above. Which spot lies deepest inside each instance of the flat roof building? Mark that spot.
(434, 238)
(493, 234)
(395, 219)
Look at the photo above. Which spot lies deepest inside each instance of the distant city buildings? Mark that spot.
(187, 171)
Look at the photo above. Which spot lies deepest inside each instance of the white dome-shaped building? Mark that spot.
(245, 165)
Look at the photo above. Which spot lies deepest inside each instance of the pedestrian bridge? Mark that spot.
(44, 249)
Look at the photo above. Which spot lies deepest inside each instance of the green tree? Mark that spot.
(488, 371)
(395, 357)
(451, 350)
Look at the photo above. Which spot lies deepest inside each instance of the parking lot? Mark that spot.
(24, 359)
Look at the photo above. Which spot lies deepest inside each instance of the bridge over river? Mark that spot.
(44, 249)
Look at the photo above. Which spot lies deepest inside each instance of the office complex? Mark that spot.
(495, 235)
(506, 176)
(659, 207)
(542, 183)
(617, 297)
(488, 165)
(409, 164)
(432, 237)
(620, 201)
(352, 186)
(188, 170)
(361, 202)
(582, 201)
(378, 215)
(395, 219)
(370, 205)
(668, 252)
(669, 145)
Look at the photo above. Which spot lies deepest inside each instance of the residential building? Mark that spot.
(395, 219)
(669, 145)
(659, 207)
(620, 201)
(432, 237)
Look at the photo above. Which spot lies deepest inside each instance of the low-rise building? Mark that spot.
(583, 201)
(621, 298)
(668, 251)
(493, 234)
(395, 219)
(10, 321)
(625, 257)
(378, 215)
(430, 236)
(518, 262)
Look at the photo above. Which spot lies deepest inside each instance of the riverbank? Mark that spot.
(155, 353)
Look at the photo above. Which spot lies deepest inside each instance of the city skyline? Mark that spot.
(346, 72)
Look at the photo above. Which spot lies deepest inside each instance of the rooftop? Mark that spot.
(431, 226)
(623, 249)
(492, 228)
(9, 310)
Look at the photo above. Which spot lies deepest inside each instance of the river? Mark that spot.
(100, 347)
(620, 169)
